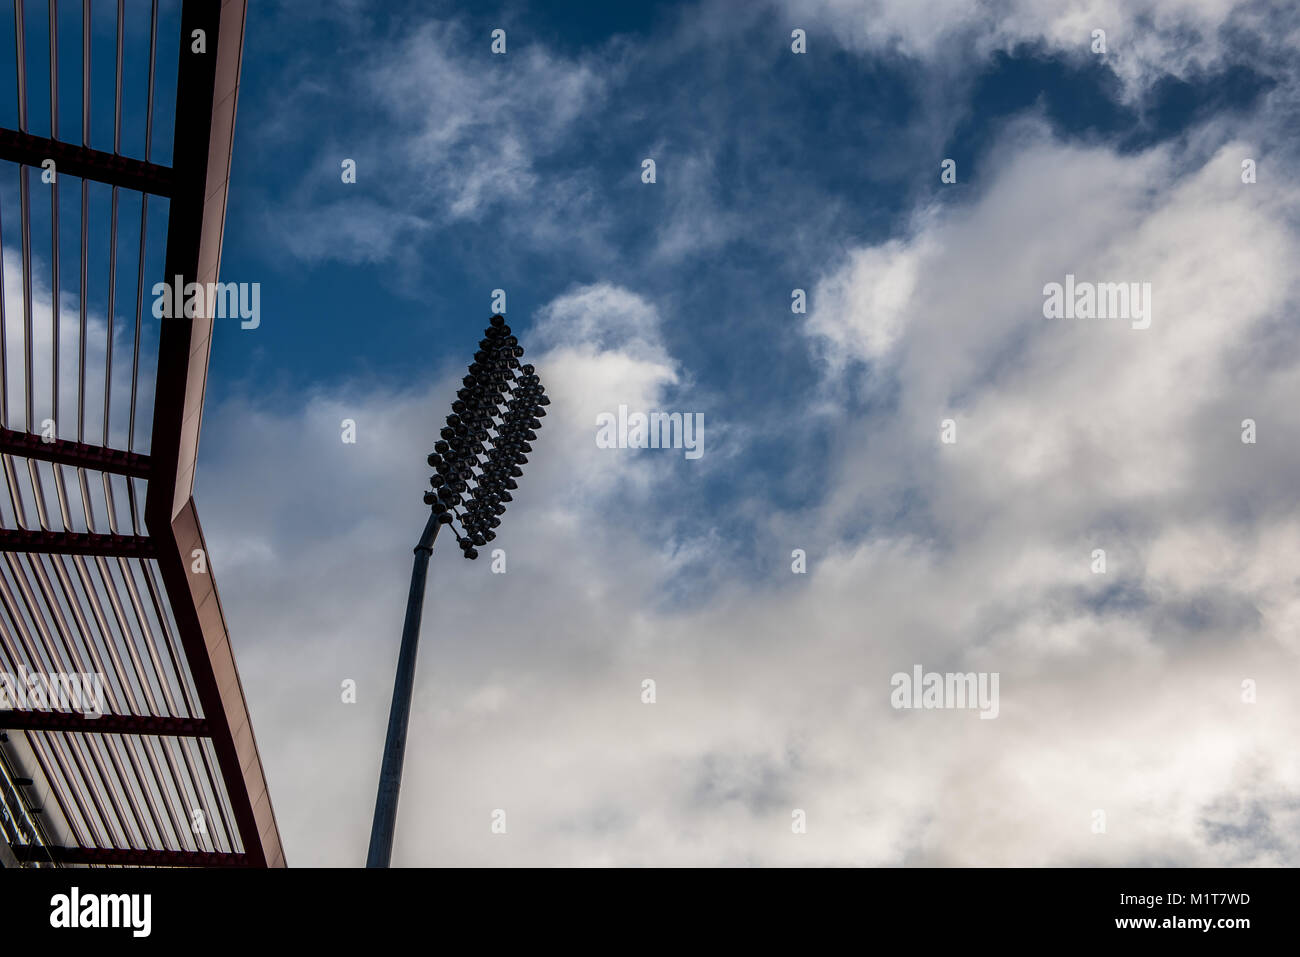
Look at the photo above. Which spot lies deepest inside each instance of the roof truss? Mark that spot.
(168, 774)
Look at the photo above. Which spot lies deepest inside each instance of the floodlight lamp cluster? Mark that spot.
(468, 489)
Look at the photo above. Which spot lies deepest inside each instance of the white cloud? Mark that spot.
(474, 126)
(348, 230)
(861, 308)
(1144, 38)
(1119, 693)
(463, 134)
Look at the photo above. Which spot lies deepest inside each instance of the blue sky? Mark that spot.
(796, 159)
(777, 162)
(775, 171)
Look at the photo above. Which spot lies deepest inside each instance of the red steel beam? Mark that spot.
(26, 720)
(86, 163)
(76, 543)
(76, 454)
(126, 856)
(206, 96)
(206, 93)
(201, 624)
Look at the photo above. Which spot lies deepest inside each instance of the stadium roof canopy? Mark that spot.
(103, 565)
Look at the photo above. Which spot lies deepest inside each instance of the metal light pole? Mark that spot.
(497, 387)
(390, 772)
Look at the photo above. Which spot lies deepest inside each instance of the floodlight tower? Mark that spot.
(496, 388)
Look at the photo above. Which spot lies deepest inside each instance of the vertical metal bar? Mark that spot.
(19, 516)
(20, 62)
(60, 488)
(390, 772)
(54, 207)
(11, 480)
(153, 56)
(4, 345)
(108, 356)
(85, 73)
(135, 358)
(117, 103)
(85, 141)
(20, 45)
(38, 494)
(81, 342)
(29, 368)
(81, 367)
(139, 279)
(25, 216)
(112, 271)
